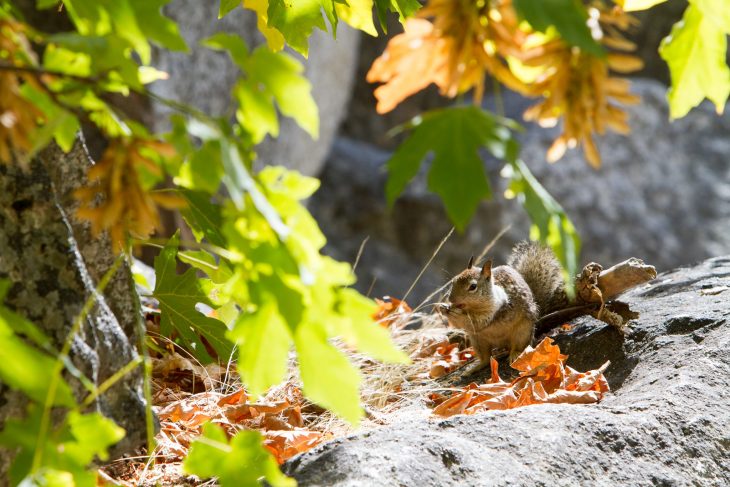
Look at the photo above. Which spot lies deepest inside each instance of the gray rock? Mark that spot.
(204, 78)
(666, 422)
(663, 195)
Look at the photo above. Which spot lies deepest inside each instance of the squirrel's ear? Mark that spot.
(487, 269)
(471, 262)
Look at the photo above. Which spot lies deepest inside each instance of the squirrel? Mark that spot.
(498, 307)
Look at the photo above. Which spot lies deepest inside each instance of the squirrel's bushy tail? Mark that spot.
(541, 270)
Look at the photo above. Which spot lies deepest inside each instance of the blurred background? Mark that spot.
(662, 194)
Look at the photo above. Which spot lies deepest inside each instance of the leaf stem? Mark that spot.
(61, 359)
(131, 365)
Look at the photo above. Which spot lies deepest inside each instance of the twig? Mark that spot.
(359, 253)
(372, 285)
(435, 252)
(37, 71)
(540, 324)
(489, 246)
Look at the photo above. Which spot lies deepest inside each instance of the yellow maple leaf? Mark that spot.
(274, 38)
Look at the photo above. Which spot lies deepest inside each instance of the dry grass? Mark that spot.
(186, 394)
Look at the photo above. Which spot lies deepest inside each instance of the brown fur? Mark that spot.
(542, 272)
(501, 309)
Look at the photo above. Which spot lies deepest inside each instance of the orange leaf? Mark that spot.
(285, 444)
(454, 405)
(242, 412)
(237, 397)
(294, 416)
(271, 408)
(439, 369)
(389, 310)
(495, 378)
(411, 61)
(543, 379)
(544, 354)
(273, 423)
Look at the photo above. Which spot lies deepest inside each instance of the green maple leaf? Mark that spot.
(296, 19)
(22, 366)
(454, 136)
(695, 52)
(277, 76)
(226, 6)
(156, 26)
(264, 341)
(178, 295)
(550, 224)
(67, 452)
(358, 14)
(328, 377)
(404, 8)
(715, 11)
(270, 77)
(242, 462)
(568, 16)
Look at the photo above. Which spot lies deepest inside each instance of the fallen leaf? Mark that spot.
(454, 405)
(285, 444)
(389, 310)
(439, 369)
(237, 397)
(294, 417)
(543, 378)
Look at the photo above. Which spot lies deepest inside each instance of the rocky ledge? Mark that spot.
(667, 421)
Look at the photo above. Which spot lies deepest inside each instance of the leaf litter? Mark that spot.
(187, 394)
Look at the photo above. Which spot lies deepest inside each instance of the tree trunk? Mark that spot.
(54, 265)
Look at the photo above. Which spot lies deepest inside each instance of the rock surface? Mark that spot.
(204, 78)
(666, 422)
(663, 195)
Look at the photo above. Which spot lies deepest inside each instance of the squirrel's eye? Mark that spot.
(473, 286)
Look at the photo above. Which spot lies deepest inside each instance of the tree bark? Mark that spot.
(54, 264)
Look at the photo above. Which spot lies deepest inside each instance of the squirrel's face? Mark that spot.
(470, 291)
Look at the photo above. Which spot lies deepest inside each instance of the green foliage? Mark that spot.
(62, 124)
(550, 224)
(696, 53)
(63, 456)
(404, 8)
(242, 462)
(134, 21)
(66, 453)
(287, 290)
(178, 295)
(454, 136)
(296, 19)
(155, 26)
(268, 77)
(24, 367)
(569, 17)
(260, 248)
(227, 6)
(358, 14)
